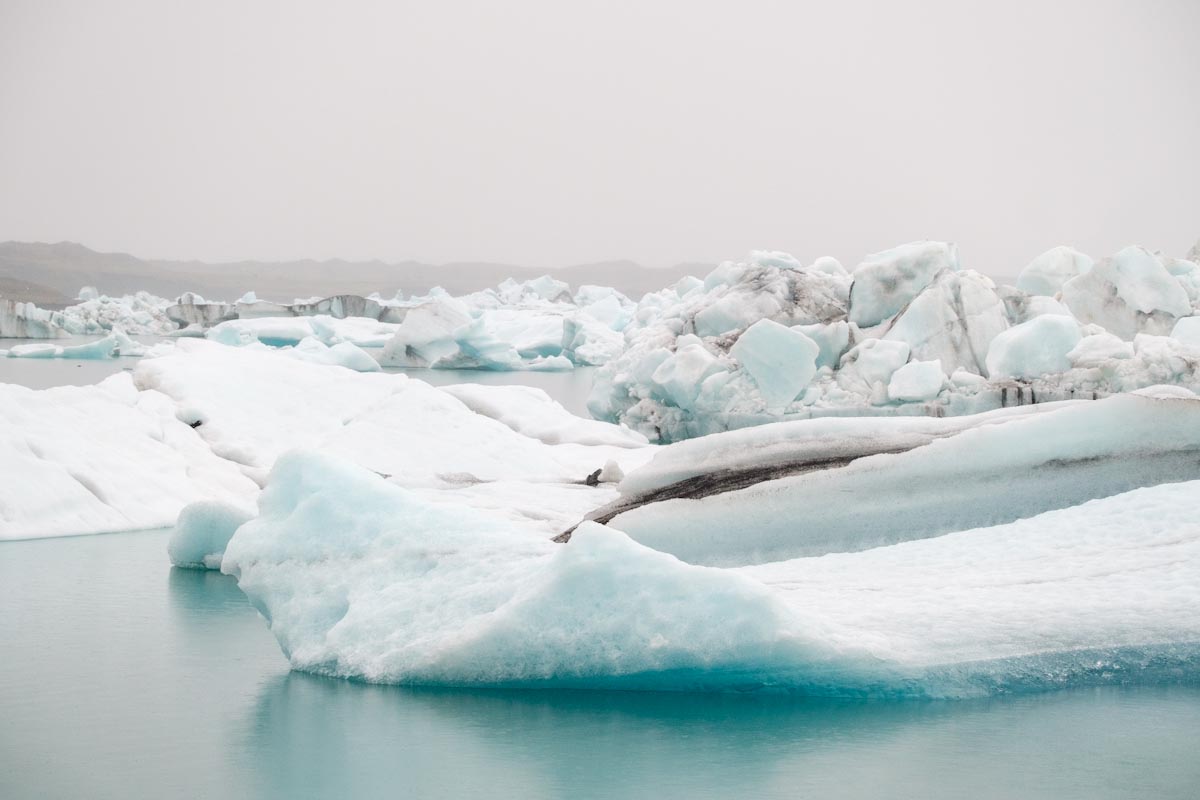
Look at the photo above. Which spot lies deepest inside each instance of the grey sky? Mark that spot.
(550, 133)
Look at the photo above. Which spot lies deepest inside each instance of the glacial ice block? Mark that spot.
(885, 282)
(359, 578)
(953, 320)
(1187, 330)
(781, 360)
(1038, 347)
(201, 533)
(1128, 293)
(917, 381)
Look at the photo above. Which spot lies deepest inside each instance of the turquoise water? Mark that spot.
(122, 677)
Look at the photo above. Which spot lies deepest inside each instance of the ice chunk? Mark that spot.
(953, 320)
(917, 381)
(885, 282)
(1098, 349)
(1128, 293)
(681, 374)
(833, 339)
(141, 313)
(781, 360)
(590, 342)
(26, 321)
(1187, 330)
(111, 346)
(273, 331)
(1033, 348)
(201, 533)
(1047, 273)
(359, 331)
(872, 363)
(342, 354)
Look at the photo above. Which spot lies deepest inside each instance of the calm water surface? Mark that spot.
(121, 677)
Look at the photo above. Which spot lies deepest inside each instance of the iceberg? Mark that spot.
(343, 564)
(1039, 347)
(342, 354)
(953, 320)
(137, 314)
(884, 283)
(782, 361)
(812, 487)
(102, 458)
(26, 321)
(917, 381)
(1129, 293)
(202, 532)
(514, 452)
(914, 303)
(113, 345)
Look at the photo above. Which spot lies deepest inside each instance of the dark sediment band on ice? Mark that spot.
(721, 481)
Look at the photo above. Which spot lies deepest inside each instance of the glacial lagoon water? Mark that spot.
(121, 677)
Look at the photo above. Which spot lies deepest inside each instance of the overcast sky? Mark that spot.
(553, 133)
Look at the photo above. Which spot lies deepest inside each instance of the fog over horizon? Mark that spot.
(545, 135)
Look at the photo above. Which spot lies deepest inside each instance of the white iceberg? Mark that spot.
(343, 565)
(202, 532)
(103, 458)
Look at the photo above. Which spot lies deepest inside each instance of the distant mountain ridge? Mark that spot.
(43, 270)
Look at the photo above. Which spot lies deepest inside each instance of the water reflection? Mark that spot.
(324, 736)
(203, 590)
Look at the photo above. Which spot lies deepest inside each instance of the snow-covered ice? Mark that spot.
(103, 458)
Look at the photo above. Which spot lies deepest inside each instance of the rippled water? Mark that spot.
(121, 677)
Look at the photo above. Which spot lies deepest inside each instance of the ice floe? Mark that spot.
(360, 578)
(103, 458)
